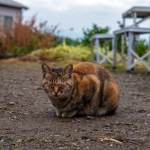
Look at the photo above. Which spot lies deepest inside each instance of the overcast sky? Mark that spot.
(79, 14)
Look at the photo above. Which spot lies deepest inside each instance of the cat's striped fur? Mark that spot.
(82, 89)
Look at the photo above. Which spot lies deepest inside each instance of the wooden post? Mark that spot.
(122, 44)
(133, 47)
(106, 50)
(149, 57)
(114, 46)
(123, 22)
(92, 53)
(97, 51)
(129, 54)
(122, 48)
(134, 18)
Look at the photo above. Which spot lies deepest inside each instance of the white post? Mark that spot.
(92, 53)
(106, 50)
(114, 46)
(122, 48)
(134, 18)
(122, 44)
(129, 54)
(97, 51)
(133, 47)
(149, 57)
(123, 22)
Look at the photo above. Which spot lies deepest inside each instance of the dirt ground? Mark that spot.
(27, 120)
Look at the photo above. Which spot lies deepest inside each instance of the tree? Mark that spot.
(88, 33)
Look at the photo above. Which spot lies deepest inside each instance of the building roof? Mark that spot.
(141, 12)
(11, 3)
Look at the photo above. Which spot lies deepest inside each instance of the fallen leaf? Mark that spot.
(109, 139)
(19, 141)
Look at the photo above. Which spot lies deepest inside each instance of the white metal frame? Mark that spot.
(131, 32)
(135, 12)
(95, 40)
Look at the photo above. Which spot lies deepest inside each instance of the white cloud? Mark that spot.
(100, 3)
(67, 5)
(57, 5)
(80, 13)
(52, 5)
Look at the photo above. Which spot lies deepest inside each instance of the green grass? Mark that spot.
(64, 52)
(139, 69)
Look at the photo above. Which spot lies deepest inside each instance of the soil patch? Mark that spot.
(27, 120)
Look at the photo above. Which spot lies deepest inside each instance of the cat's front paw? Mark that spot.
(64, 115)
(71, 114)
(58, 114)
(68, 114)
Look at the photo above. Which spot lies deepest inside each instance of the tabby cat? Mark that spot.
(82, 89)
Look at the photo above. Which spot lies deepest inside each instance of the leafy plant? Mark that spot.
(25, 37)
(63, 52)
(88, 33)
(141, 47)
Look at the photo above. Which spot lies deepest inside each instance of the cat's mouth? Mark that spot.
(56, 95)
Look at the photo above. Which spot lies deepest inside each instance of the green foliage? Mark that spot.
(121, 25)
(88, 33)
(119, 44)
(64, 52)
(141, 47)
(69, 41)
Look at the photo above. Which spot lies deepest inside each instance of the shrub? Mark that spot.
(22, 38)
(141, 47)
(63, 52)
(88, 33)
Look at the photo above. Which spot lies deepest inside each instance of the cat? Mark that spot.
(83, 89)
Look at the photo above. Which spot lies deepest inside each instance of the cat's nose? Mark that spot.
(56, 90)
(55, 94)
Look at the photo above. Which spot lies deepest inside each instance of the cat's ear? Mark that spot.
(68, 69)
(46, 68)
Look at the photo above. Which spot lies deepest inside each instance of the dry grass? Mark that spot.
(22, 38)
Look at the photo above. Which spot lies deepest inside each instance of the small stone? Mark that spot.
(14, 117)
(84, 137)
(19, 141)
(2, 140)
(11, 103)
(89, 117)
(38, 88)
(63, 148)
